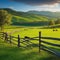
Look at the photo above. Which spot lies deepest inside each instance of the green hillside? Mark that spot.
(32, 18)
(25, 18)
(29, 19)
(46, 13)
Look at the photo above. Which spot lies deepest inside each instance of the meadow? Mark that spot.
(34, 32)
(11, 52)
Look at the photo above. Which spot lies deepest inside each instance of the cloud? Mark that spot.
(38, 2)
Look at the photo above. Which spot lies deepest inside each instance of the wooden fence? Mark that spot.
(27, 42)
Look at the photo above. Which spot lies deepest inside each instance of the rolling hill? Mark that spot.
(25, 18)
(46, 13)
(31, 18)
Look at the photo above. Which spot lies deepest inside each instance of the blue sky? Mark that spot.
(26, 5)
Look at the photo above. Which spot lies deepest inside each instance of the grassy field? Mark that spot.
(34, 32)
(11, 52)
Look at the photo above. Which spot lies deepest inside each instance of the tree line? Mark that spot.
(53, 22)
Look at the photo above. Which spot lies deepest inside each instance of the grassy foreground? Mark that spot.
(11, 52)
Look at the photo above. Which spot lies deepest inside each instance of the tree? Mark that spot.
(5, 18)
(51, 23)
(58, 21)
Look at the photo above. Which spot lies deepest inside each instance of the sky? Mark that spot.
(27, 5)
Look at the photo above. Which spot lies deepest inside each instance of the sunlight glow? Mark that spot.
(52, 8)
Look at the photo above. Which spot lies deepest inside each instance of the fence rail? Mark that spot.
(50, 50)
(50, 43)
(26, 41)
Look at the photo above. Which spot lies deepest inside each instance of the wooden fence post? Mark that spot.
(10, 39)
(39, 41)
(18, 41)
(6, 37)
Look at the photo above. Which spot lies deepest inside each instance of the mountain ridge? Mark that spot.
(46, 13)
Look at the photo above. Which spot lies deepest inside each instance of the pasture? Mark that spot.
(30, 54)
(34, 32)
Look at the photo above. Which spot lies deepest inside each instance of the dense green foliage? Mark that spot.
(57, 21)
(5, 18)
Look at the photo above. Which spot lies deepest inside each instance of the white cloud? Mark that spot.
(53, 8)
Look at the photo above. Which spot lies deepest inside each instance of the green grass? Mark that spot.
(12, 52)
(34, 32)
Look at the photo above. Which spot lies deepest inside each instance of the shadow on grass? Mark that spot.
(15, 53)
(8, 52)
